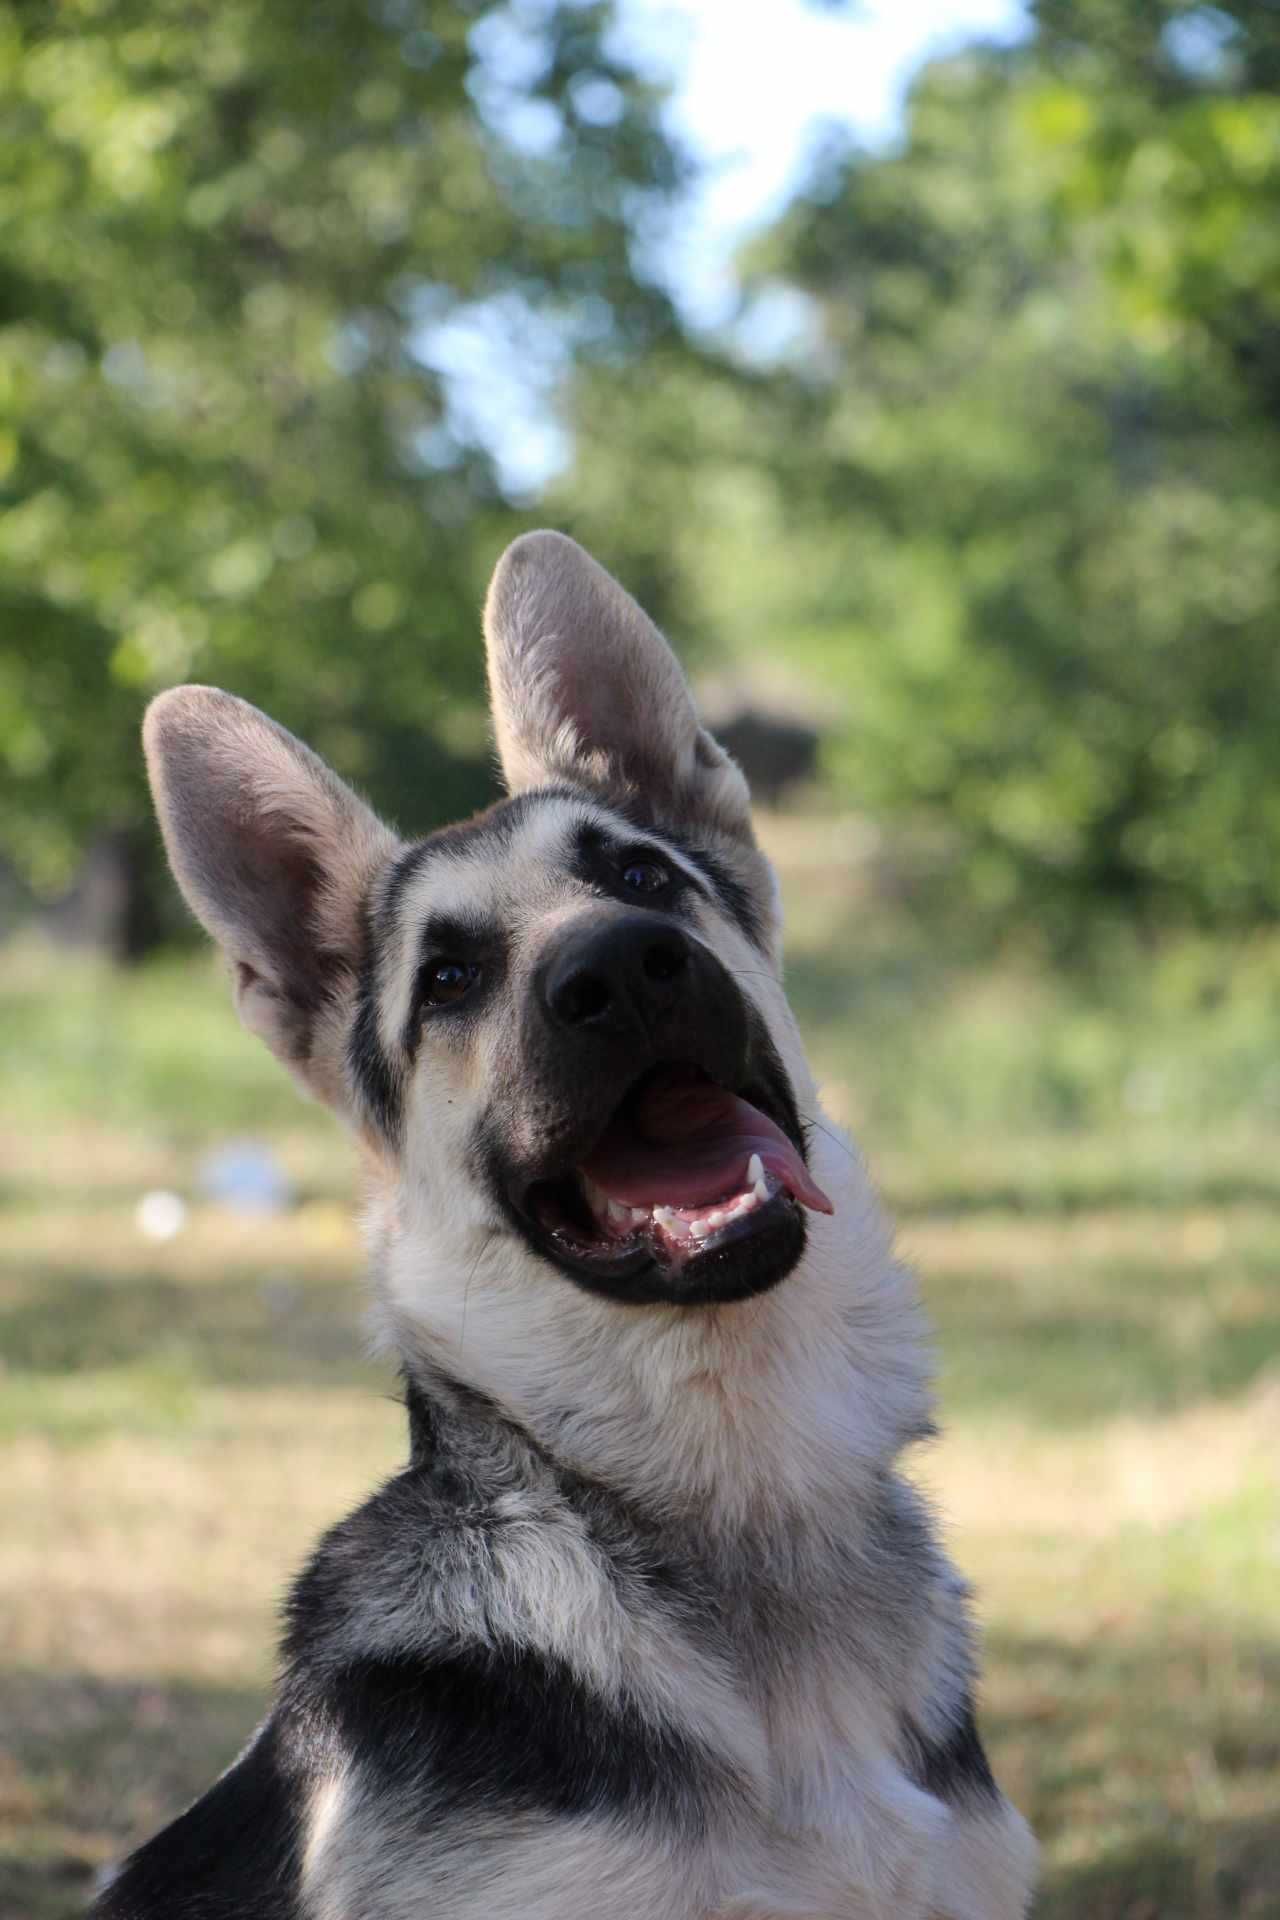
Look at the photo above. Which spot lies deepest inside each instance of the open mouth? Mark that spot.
(692, 1193)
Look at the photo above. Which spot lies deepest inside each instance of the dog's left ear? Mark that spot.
(276, 856)
(584, 688)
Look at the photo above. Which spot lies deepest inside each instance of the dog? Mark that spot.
(650, 1624)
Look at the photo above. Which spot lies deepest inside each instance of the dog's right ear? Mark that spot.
(276, 857)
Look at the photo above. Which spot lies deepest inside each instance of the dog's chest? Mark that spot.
(842, 1831)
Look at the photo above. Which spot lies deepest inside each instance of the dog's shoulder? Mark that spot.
(447, 1638)
(417, 1702)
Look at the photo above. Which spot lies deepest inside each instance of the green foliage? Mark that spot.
(1009, 508)
(1061, 489)
(232, 233)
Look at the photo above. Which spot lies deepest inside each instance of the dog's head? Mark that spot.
(560, 1024)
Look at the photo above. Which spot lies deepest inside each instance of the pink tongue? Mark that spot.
(687, 1144)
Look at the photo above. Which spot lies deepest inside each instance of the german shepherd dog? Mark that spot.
(649, 1627)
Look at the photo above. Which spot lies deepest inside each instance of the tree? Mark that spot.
(234, 234)
(1016, 501)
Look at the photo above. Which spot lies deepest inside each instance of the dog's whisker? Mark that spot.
(812, 1120)
(752, 973)
(466, 1297)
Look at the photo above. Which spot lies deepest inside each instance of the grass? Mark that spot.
(1087, 1177)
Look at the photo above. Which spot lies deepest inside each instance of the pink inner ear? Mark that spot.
(635, 711)
(577, 701)
(586, 688)
(284, 854)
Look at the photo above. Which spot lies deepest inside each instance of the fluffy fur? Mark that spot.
(649, 1624)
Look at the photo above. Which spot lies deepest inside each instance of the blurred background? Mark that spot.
(918, 365)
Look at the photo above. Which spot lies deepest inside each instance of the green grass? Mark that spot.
(1088, 1181)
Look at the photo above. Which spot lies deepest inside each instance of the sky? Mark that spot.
(752, 84)
(754, 80)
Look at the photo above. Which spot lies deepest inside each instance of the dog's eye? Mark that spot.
(449, 980)
(644, 876)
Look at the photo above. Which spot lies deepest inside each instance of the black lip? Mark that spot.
(747, 1257)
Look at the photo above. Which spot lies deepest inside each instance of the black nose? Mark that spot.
(623, 973)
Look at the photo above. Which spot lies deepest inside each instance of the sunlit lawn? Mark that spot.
(178, 1420)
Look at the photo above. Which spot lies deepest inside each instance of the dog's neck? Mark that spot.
(785, 1408)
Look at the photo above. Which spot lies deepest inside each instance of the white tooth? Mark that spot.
(618, 1212)
(747, 1201)
(715, 1219)
(699, 1229)
(639, 1215)
(664, 1218)
(755, 1172)
(760, 1190)
(595, 1197)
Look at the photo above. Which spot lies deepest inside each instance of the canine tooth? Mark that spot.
(755, 1172)
(664, 1218)
(595, 1195)
(618, 1212)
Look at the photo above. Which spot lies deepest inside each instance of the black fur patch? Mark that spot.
(370, 1067)
(731, 892)
(597, 857)
(954, 1768)
(445, 937)
(234, 1855)
(728, 889)
(593, 851)
(513, 1730)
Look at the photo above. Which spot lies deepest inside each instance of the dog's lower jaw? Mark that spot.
(750, 1254)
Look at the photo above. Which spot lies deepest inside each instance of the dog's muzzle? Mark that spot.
(652, 1146)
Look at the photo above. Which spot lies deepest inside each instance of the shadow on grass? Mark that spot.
(1223, 1869)
(1087, 1341)
(1157, 1758)
(285, 1327)
(96, 1767)
(1062, 1365)
(1063, 1192)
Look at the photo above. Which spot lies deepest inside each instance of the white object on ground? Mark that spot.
(160, 1215)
